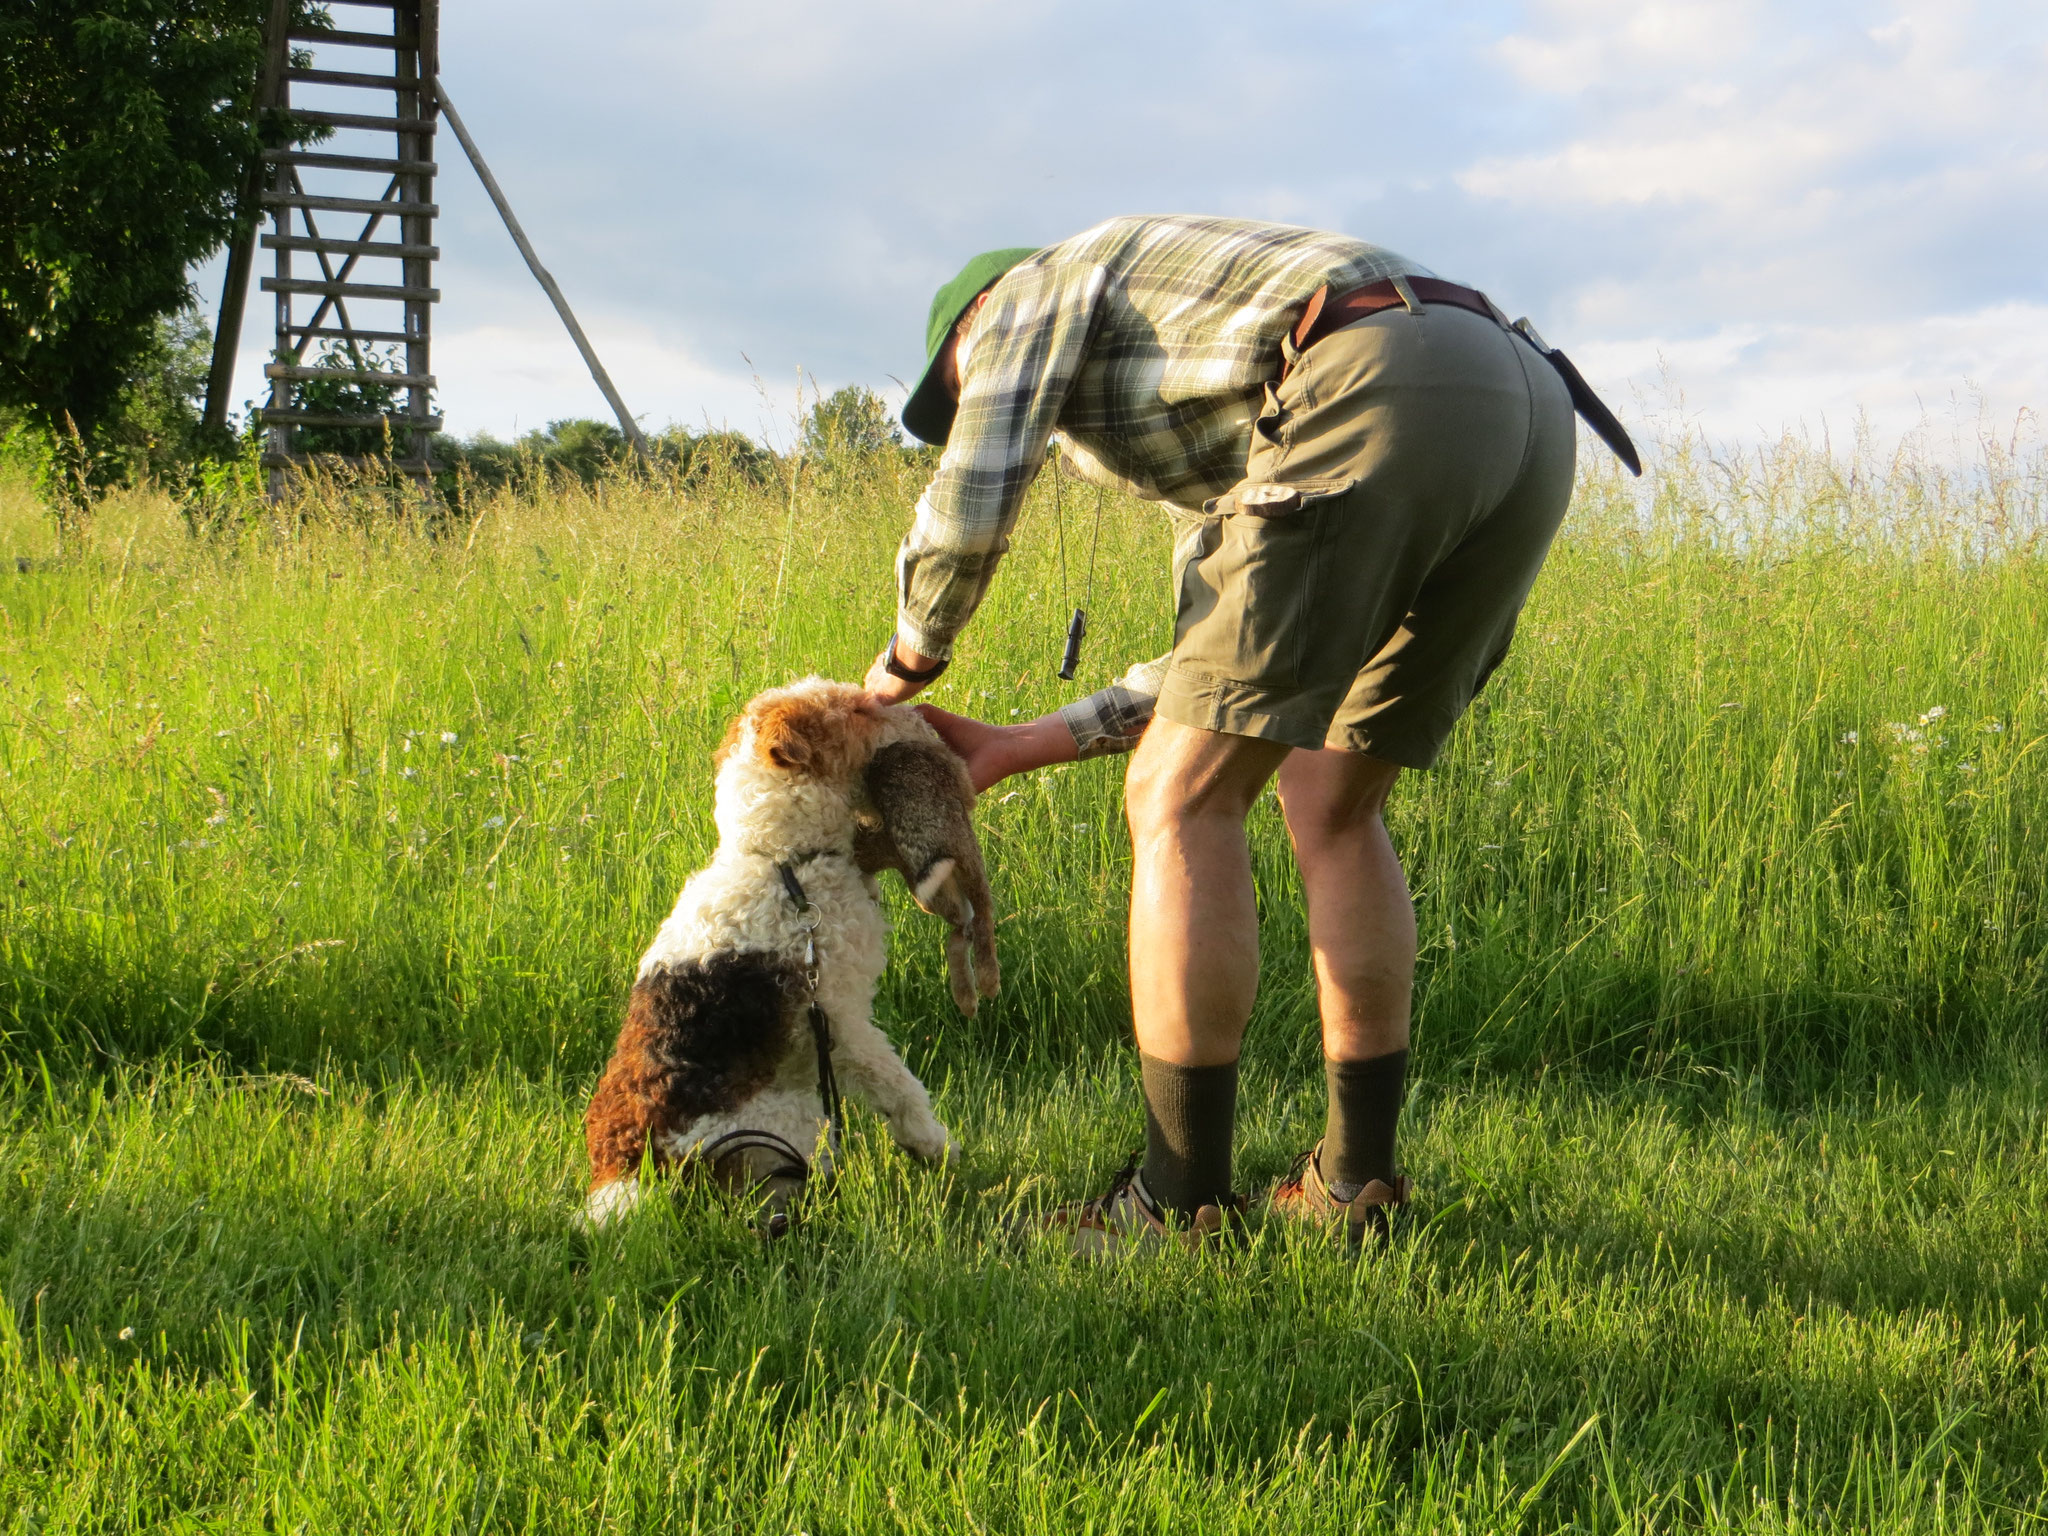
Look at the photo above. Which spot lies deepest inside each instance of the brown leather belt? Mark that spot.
(1327, 312)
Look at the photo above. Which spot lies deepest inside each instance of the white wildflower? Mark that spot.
(449, 738)
(408, 773)
(1849, 738)
(494, 821)
(1995, 727)
(1966, 767)
(217, 819)
(1934, 714)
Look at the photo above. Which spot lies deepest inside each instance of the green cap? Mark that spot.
(928, 412)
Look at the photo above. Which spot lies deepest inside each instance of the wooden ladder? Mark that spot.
(393, 194)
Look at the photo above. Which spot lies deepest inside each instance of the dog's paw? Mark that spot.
(931, 1144)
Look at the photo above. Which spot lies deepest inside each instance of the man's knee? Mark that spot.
(1331, 796)
(1181, 774)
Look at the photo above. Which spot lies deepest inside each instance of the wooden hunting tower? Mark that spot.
(365, 300)
(352, 340)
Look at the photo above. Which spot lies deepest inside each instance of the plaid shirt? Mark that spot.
(1147, 344)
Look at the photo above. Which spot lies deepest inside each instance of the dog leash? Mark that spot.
(821, 1026)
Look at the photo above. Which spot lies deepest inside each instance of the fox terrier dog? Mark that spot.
(752, 1007)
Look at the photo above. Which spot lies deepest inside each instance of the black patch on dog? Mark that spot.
(718, 1028)
(700, 1038)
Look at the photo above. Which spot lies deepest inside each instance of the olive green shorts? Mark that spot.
(1359, 585)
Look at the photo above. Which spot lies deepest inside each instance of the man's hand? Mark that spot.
(994, 752)
(888, 688)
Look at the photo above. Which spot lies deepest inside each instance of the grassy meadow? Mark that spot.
(328, 841)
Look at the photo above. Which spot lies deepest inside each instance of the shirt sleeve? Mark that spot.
(1111, 719)
(1025, 353)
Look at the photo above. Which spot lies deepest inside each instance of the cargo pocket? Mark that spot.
(1249, 594)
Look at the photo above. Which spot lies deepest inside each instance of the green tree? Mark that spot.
(851, 420)
(125, 130)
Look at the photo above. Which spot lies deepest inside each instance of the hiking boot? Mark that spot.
(1367, 1217)
(1127, 1219)
(762, 1165)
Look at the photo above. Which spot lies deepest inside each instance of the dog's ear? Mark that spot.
(730, 740)
(816, 733)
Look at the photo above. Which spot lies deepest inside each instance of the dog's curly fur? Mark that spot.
(715, 1037)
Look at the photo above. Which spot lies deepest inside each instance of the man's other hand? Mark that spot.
(994, 752)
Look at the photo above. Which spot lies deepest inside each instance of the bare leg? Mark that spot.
(1194, 923)
(1361, 918)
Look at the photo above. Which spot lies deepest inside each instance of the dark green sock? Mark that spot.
(1190, 1116)
(1365, 1106)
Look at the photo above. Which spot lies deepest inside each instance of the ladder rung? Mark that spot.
(345, 39)
(321, 460)
(350, 77)
(274, 416)
(350, 376)
(342, 333)
(349, 290)
(417, 126)
(350, 247)
(350, 204)
(325, 162)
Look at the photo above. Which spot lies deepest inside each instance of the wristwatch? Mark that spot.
(896, 668)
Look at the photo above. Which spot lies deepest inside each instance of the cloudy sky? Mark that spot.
(1759, 215)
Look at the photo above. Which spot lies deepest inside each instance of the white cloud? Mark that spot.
(1746, 381)
(1800, 206)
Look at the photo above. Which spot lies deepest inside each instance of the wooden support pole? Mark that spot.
(626, 422)
(234, 292)
(234, 298)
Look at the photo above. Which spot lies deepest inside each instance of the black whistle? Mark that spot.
(1071, 658)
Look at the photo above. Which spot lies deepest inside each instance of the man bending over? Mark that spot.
(1368, 466)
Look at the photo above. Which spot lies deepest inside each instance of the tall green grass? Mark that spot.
(1754, 785)
(330, 840)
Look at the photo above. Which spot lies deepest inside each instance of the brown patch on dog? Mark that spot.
(817, 732)
(699, 1039)
(728, 741)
